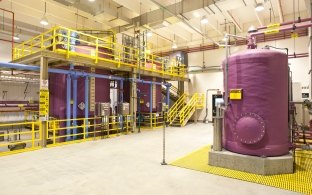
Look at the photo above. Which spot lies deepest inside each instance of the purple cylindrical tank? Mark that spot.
(257, 124)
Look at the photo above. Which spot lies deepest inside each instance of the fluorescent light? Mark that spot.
(259, 7)
(16, 37)
(174, 45)
(91, 0)
(204, 20)
(165, 23)
(149, 33)
(44, 21)
(196, 14)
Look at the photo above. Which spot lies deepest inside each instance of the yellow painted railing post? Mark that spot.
(33, 134)
(54, 40)
(54, 132)
(84, 129)
(151, 120)
(119, 58)
(163, 66)
(23, 50)
(96, 50)
(68, 43)
(41, 41)
(127, 127)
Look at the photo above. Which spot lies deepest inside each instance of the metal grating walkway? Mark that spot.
(300, 181)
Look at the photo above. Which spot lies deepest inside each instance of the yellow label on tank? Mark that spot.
(236, 94)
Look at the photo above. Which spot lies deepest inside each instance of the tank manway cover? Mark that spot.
(249, 128)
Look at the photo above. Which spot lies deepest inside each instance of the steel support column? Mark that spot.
(86, 105)
(75, 86)
(68, 106)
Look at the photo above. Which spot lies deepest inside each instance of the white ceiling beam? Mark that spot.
(308, 6)
(261, 22)
(180, 31)
(234, 20)
(280, 11)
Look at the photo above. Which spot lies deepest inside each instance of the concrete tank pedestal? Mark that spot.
(252, 164)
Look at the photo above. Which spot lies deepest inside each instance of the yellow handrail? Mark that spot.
(196, 102)
(177, 106)
(74, 43)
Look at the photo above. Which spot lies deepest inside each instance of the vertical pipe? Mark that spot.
(217, 129)
(13, 24)
(68, 107)
(151, 105)
(75, 83)
(226, 65)
(168, 95)
(151, 98)
(121, 92)
(86, 104)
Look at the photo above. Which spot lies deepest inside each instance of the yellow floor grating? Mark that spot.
(301, 181)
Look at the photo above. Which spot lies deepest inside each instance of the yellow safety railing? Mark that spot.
(196, 102)
(151, 120)
(73, 43)
(173, 112)
(19, 137)
(85, 129)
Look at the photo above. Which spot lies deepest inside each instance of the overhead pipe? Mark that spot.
(293, 27)
(287, 23)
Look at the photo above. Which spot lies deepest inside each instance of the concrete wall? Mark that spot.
(200, 82)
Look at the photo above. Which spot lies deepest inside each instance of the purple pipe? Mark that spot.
(304, 25)
(287, 23)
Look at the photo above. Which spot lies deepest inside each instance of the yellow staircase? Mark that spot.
(180, 113)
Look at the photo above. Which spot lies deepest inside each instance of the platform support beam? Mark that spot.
(44, 76)
(134, 98)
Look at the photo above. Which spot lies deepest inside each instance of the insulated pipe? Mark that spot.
(75, 86)
(287, 23)
(207, 103)
(293, 27)
(76, 73)
(226, 71)
(86, 105)
(149, 82)
(68, 107)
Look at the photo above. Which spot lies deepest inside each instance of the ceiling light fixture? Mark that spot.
(165, 23)
(204, 20)
(44, 20)
(196, 14)
(149, 33)
(91, 0)
(252, 29)
(259, 7)
(16, 37)
(174, 45)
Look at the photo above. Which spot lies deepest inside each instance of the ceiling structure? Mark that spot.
(169, 20)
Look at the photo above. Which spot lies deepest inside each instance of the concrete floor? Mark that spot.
(123, 165)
